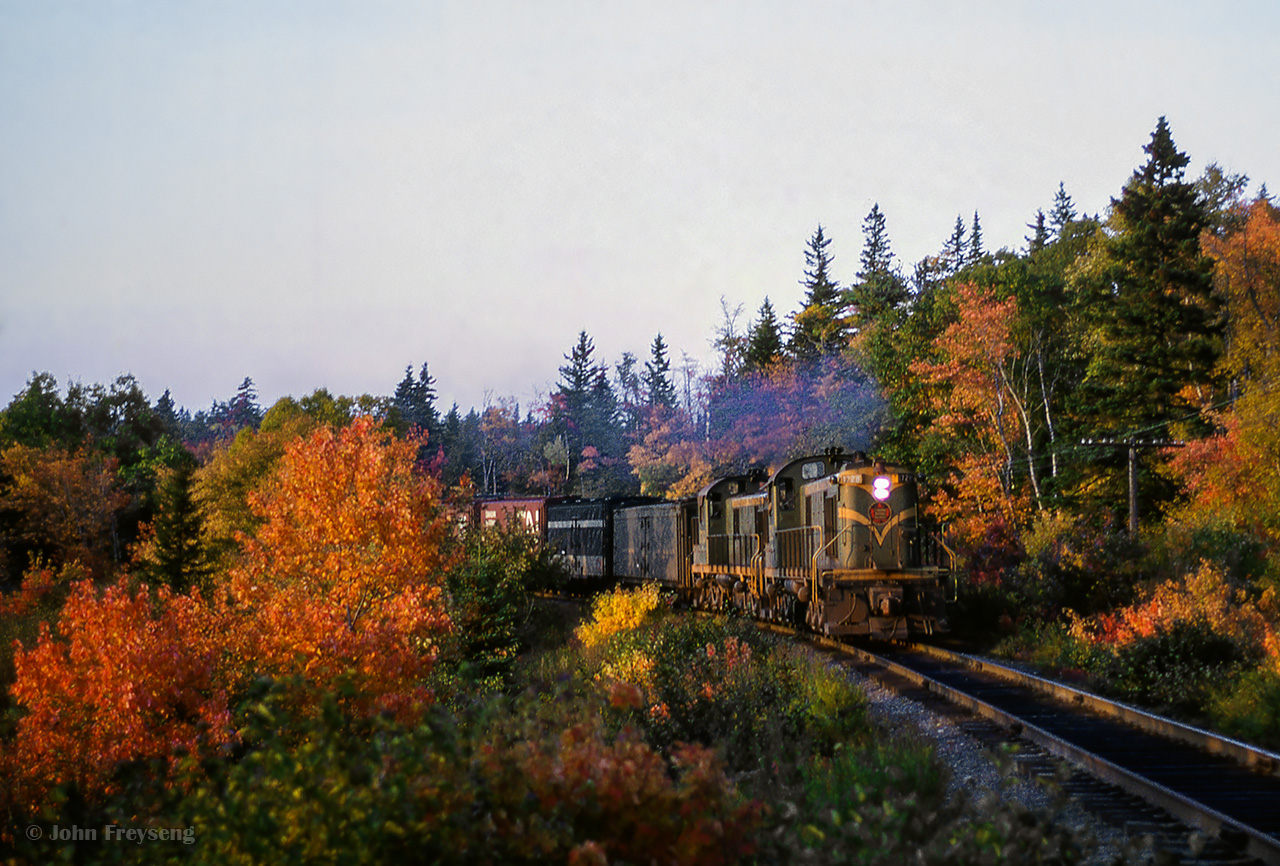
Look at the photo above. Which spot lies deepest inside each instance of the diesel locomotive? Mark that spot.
(833, 542)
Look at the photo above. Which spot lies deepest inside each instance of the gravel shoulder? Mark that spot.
(975, 771)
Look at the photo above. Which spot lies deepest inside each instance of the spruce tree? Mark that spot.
(1063, 212)
(178, 557)
(880, 288)
(415, 401)
(976, 252)
(955, 252)
(764, 342)
(817, 328)
(243, 410)
(1040, 233)
(658, 387)
(1157, 326)
(585, 409)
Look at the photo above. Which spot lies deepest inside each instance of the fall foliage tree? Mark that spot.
(1236, 472)
(343, 578)
(61, 504)
(980, 396)
(125, 676)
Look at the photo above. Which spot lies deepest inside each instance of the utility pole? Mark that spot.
(1132, 445)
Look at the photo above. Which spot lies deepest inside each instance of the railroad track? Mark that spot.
(1226, 793)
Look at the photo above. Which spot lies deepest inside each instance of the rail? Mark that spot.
(1255, 842)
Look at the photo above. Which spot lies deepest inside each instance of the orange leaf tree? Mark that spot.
(343, 579)
(1247, 274)
(63, 501)
(129, 676)
(977, 393)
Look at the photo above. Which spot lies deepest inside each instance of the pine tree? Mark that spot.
(659, 389)
(577, 376)
(976, 252)
(177, 557)
(243, 410)
(415, 401)
(629, 391)
(167, 412)
(585, 411)
(955, 253)
(764, 341)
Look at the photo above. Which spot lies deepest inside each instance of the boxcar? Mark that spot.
(655, 543)
(528, 513)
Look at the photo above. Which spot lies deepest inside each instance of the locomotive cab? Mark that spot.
(878, 510)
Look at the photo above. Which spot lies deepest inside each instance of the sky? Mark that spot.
(321, 194)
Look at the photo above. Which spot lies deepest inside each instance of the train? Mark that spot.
(831, 542)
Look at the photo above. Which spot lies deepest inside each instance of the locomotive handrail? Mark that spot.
(813, 562)
(951, 570)
(757, 565)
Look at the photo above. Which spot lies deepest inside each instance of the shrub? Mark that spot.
(886, 802)
(1178, 667)
(616, 612)
(1249, 707)
(488, 602)
(1075, 563)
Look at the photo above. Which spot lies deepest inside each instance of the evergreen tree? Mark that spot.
(415, 401)
(880, 288)
(177, 556)
(658, 387)
(1157, 327)
(243, 410)
(585, 414)
(1040, 237)
(1063, 212)
(976, 252)
(629, 391)
(817, 327)
(167, 413)
(877, 256)
(764, 341)
(955, 252)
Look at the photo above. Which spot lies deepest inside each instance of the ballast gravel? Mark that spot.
(974, 770)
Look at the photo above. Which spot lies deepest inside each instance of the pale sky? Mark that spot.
(317, 194)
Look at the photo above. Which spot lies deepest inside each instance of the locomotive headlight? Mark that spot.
(880, 487)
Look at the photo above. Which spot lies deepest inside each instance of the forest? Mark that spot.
(1093, 416)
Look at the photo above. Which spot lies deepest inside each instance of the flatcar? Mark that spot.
(833, 542)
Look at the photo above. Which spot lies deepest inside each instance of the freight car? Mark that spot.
(833, 542)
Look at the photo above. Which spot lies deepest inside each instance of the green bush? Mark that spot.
(1242, 554)
(1076, 563)
(489, 604)
(886, 802)
(1248, 707)
(1178, 668)
(1051, 645)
